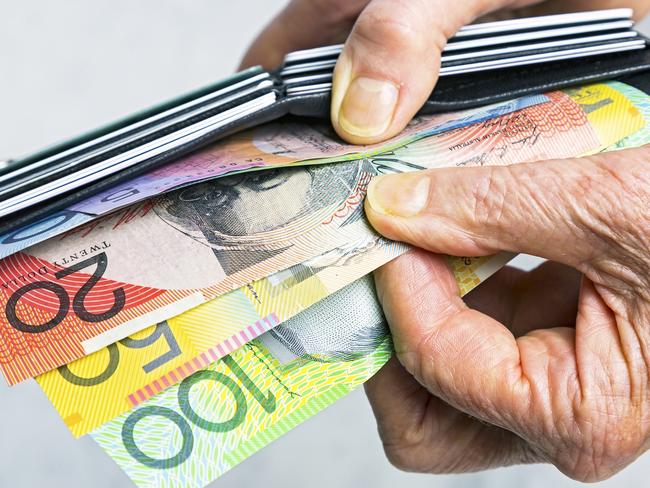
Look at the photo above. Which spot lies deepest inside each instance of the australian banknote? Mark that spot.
(519, 139)
(642, 102)
(557, 129)
(102, 385)
(192, 433)
(282, 144)
(273, 145)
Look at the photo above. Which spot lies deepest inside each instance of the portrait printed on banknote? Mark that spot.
(249, 217)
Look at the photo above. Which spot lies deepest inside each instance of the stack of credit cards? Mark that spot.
(493, 45)
(36, 179)
(160, 132)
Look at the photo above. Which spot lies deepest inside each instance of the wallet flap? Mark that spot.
(35, 213)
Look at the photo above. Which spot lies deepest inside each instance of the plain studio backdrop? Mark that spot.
(68, 66)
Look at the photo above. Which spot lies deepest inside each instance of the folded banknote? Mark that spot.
(213, 237)
(90, 396)
(66, 298)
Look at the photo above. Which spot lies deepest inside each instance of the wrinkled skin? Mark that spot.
(551, 365)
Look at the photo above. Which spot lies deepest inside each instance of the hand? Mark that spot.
(391, 58)
(547, 366)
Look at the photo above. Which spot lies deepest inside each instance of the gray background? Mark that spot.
(68, 66)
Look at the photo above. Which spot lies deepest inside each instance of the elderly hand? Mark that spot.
(547, 366)
(391, 58)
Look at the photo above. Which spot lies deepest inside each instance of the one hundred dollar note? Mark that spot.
(194, 432)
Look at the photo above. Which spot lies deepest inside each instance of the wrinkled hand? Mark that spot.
(547, 366)
(391, 58)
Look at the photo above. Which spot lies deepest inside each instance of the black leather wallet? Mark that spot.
(479, 68)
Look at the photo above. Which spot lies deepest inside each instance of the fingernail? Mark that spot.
(368, 106)
(404, 195)
(362, 106)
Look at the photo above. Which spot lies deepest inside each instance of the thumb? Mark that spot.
(462, 356)
(543, 208)
(390, 64)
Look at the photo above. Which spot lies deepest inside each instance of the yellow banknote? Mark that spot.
(98, 387)
(610, 109)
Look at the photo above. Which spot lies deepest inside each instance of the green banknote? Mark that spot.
(195, 431)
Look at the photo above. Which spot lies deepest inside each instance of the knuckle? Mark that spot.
(417, 352)
(402, 458)
(509, 202)
(404, 447)
(489, 196)
(615, 218)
